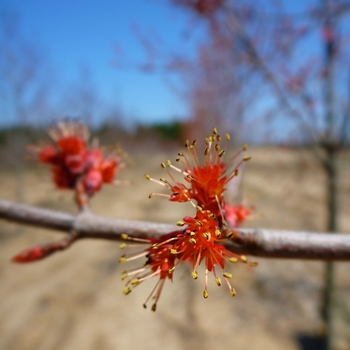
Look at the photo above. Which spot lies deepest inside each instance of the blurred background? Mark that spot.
(149, 74)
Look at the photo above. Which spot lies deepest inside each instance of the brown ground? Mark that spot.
(74, 300)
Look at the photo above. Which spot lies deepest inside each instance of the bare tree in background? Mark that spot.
(24, 87)
(299, 59)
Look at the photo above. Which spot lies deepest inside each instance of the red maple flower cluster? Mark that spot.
(75, 164)
(203, 235)
(204, 183)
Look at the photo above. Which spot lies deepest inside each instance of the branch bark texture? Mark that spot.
(251, 241)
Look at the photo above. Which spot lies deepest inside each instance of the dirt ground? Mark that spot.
(74, 300)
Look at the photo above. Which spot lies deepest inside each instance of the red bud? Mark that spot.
(33, 254)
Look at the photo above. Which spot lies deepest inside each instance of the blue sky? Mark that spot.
(78, 33)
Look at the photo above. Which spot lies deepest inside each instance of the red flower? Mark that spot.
(200, 241)
(202, 238)
(160, 262)
(73, 161)
(235, 215)
(203, 242)
(204, 183)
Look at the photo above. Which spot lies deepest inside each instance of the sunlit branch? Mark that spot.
(257, 242)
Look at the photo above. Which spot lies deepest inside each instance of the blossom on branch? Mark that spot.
(204, 183)
(74, 163)
(201, 239)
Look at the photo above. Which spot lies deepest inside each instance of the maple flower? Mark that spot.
(200, 241)
(202, 236)
(235, 215)
(74, 163)
(160, 262)
(205, 182)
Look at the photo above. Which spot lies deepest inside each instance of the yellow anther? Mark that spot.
(253, 264)
(192, 147)
(230, 235)
(192, 233)
(147, 177)
(199, 208)
(194, 142)
(171, 270)
(205, 294)
(218, 138)
(227, 275)
(135, 281)
(218, 281)
(168, 162)
(122, 246)
(245, 146)
(187, 143)
(194, 275)
(180, 223)
(236, 172)
(243, 258)
(211, 216)
(124, 236)
(217, 148)
(173, 251)
(198, 223)
(180, 154)
(246, 158)
(122, 260)
(206, 151)
(228, 137)
(221, 153)
(126, 291)
(151, 195)
(217, 233)
(233, 292)
(233, 260)
(190, 177)
(154, 307)
(215, 131)
(163, 180)
(205, 235)
(162, 165)
(192, 241)
(124, 275)
(207, 140)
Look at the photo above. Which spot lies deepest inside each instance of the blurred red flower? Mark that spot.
(74, 162)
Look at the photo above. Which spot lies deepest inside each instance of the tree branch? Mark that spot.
(257, 242)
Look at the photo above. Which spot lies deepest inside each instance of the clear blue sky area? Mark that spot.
(80, 33)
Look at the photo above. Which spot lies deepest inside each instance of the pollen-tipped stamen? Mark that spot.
(205, 293)
(125, 258)
(134, 239)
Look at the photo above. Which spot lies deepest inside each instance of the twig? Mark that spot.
(257, 242)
